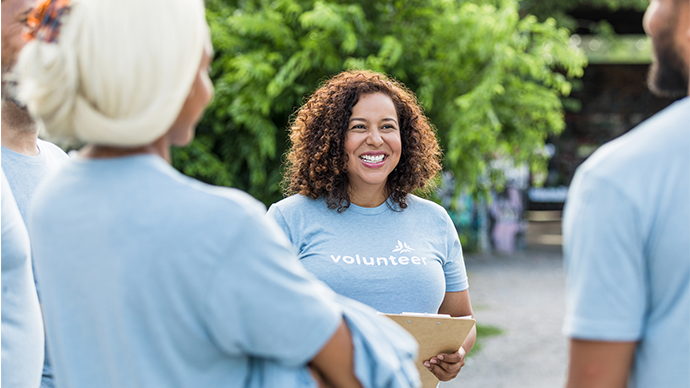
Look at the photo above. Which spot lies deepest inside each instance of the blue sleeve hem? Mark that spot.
(601, 330)
(458, 287)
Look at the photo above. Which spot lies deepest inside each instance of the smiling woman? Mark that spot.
(365, 110)
(360, 146)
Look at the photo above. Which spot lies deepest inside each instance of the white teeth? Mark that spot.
(373, 158)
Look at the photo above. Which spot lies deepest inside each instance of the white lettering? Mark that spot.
(402, 260)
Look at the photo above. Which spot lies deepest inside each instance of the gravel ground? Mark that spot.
(523, 294)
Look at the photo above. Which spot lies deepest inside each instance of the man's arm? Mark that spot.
(335, 361)
(595, 364)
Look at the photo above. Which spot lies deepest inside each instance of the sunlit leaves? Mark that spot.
(490, 79)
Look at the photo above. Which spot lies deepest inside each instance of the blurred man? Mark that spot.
(26, 159)
(22, 326)
(627, 236)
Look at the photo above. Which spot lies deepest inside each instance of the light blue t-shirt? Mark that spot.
(25, 173)
(627, 247)
(22, 325)
(393, 261)
(153, 279)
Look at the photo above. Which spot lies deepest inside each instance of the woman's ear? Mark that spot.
(181, 132)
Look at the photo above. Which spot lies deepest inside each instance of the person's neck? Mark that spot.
(19, 131)
(368, 196)
(19, 141)
(160, 147)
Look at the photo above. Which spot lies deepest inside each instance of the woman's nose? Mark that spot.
(374, 138)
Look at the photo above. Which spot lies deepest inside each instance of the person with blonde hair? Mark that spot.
(151, 278)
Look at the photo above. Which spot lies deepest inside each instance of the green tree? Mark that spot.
(489, 79)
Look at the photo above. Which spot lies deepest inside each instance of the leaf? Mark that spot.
(489, 76)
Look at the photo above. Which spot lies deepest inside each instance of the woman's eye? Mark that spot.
(358, 127)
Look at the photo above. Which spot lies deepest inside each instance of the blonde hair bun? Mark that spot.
(119, 71)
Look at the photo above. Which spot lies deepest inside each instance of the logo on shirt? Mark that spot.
(402, 247)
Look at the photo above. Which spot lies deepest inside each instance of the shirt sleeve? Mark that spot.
(263, 303)
(606, 295)
(454, 265)
(276, 215)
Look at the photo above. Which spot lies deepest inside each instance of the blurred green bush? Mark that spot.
(490, 79)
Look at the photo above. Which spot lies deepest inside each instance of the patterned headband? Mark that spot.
(44, 20)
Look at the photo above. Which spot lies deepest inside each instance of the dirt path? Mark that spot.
(523, 295)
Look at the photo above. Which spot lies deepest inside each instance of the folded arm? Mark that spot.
(333, 366)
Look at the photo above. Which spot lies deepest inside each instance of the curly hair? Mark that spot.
(317, 162)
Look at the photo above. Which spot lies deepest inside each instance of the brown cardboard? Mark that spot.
(435, 335)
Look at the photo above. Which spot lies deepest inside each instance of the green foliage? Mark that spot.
(490, 80)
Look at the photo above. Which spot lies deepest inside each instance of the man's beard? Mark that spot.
(14, 113)
(668, 75)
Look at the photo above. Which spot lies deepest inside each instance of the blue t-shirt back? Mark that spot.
(394, 261)
(626, 247)
(153, 279)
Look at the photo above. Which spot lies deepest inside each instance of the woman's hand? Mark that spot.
(446, 366)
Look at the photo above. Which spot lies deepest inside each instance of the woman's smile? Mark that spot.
(373, 159)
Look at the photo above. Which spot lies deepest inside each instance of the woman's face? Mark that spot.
(372, 144)
(182, 131)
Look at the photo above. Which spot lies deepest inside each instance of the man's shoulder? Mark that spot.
(51, 150)
(651, 145)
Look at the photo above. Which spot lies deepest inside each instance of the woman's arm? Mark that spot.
(447, 366)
